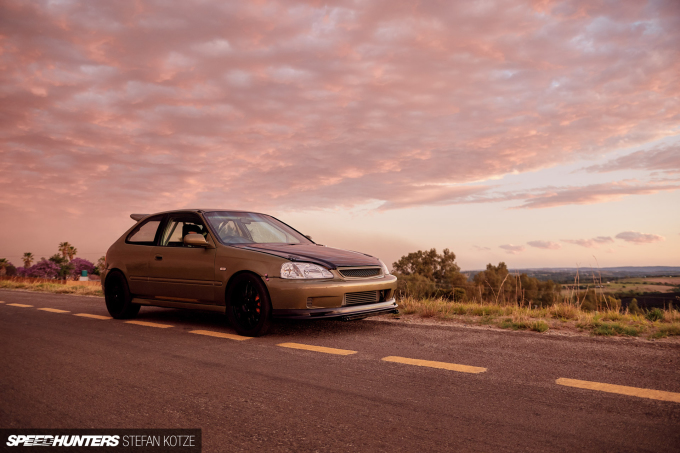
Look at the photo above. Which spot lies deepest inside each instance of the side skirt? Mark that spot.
(175, 304)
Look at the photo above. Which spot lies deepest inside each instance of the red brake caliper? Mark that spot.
(257, 299)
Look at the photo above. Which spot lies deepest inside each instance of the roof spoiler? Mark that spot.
(138, 217)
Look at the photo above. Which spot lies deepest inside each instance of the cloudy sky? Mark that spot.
(539, 133)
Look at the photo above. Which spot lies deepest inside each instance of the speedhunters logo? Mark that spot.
(37, 440)
(110, 440)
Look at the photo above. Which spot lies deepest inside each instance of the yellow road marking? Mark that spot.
(431, 364)
(87, 315)
(308, 347)
(210, 333)
(20, 305)
(149, 324)
(621, 389)
(54, 310)
(2, 301)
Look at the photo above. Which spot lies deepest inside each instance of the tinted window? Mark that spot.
(145, 233)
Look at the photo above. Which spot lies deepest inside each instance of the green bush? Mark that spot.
(654, 314)
(633, 308)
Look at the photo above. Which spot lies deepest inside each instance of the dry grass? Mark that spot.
(561, 316)
(57, 288)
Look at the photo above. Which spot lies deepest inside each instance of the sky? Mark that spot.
(539, 133)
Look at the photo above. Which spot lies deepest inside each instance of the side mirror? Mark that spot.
(197, 240)
(308, 237)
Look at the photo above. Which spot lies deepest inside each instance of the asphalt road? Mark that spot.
(60, 370)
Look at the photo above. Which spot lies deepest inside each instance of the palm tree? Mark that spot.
(3, 266)
(71, 252)
(63, 249)
(28, 259)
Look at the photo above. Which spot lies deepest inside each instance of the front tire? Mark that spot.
(249, 308)
(118, 298)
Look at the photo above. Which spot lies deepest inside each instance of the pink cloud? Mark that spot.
(301, 105)
(590, 243)
(590, 194)
(665, 159)
(481, 249)
(548, 245)
(513, 249)
(639, 238)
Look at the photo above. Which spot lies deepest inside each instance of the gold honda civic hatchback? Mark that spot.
(250, 266)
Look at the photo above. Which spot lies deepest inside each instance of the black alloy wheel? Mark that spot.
(118, 298)
(248, 306)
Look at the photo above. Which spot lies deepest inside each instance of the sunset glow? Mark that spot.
(538, 133)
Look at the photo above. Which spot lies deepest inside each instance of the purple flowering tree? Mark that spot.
(43, 269)
(79, 265)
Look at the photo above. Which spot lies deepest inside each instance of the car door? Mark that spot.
(139, 246)
(181, 272)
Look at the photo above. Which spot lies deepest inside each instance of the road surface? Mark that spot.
(364, 385)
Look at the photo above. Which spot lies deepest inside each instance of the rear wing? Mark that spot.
(138, 217)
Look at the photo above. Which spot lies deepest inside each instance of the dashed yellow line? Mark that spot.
(621, 389)
(431, 364)
(20, 305)
(149, 324)
(308, 347)
(229, 336)
(54, 310)
(2, 301)
(87, 315)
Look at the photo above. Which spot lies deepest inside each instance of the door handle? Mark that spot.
(159, 257)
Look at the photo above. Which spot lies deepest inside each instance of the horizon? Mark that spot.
(539, 134)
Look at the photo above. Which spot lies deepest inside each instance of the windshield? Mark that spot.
(248, 228)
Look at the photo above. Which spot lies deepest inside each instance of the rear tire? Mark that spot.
(118, 298)
(249, 308)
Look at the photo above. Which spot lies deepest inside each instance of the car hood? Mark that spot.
(312, 253)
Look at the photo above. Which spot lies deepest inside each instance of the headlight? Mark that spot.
(384, 267)
(304, 270)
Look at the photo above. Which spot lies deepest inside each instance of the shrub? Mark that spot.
(633, 308)
(654, 314)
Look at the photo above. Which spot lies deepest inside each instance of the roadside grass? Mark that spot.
(653, 324)
(56, 288)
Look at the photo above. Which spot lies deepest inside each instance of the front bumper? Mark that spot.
(322, 294)
(345, 312)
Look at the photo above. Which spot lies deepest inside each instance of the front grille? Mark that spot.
(363, 297)
(361, 272)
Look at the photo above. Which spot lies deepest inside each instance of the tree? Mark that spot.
(498, 285)
(101, 265)
(65, 268)
(426, 273)
(28, 259)
(71, 252)
(439, 268)
(63, 249)
(4, 265)
(43, 269)
(80, 265)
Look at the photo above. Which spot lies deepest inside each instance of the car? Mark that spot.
(248, 265)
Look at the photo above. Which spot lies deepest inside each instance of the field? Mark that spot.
(643, 285)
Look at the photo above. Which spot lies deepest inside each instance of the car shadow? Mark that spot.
(194, 319)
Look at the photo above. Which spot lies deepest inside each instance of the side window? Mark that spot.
(178, 227)
(145, 233)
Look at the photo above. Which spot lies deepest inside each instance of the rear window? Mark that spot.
(145, 232)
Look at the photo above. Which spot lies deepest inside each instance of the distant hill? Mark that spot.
(567, 274)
